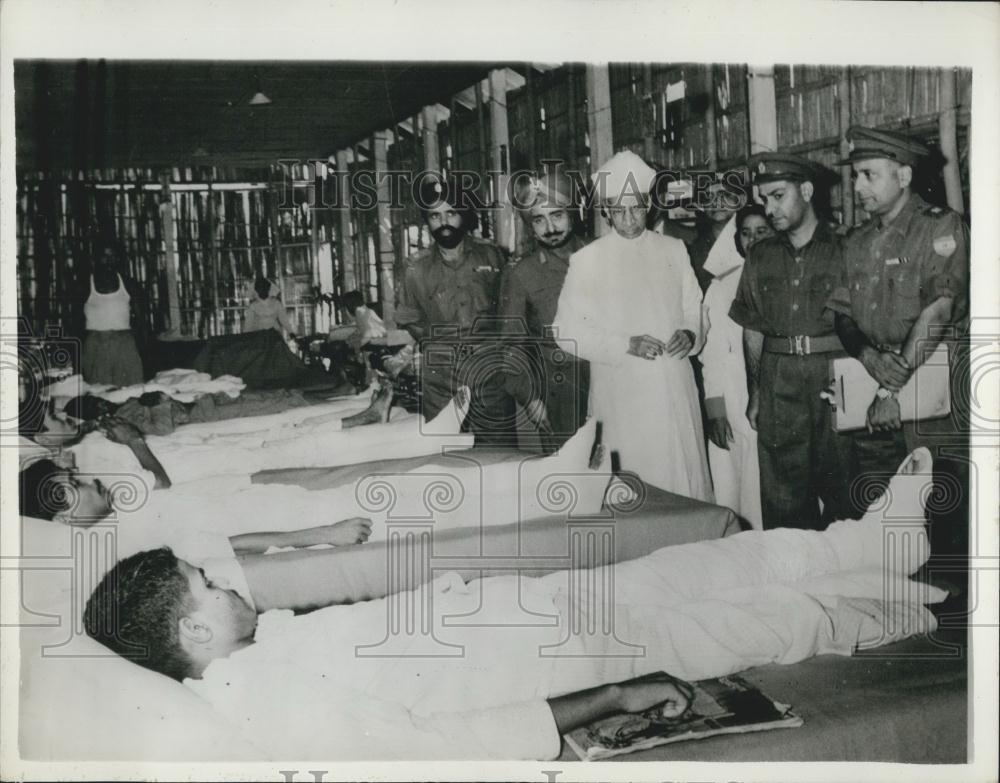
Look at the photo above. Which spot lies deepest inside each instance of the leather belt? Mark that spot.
(803, 345)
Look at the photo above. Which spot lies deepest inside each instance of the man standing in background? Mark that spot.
(551, 384)
(448, 302)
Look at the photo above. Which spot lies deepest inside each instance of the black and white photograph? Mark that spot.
(499, 391)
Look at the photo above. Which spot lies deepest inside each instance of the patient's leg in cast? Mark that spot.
(890, 535)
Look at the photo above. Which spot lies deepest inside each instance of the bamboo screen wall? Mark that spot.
(58, 222)
(807, 99)
(224, 235)
(665, 113)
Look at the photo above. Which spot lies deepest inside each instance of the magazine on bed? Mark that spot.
(727, 705)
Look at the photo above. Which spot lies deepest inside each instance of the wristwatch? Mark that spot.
(884, 394)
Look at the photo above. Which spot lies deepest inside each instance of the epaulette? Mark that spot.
(936, 211)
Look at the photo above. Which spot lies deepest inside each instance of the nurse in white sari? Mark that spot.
(631, 305)
(732, 447)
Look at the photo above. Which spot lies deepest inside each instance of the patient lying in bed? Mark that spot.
(483, 494)
(244, 446)
(506, 648)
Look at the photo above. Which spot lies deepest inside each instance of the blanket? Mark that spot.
(263, 361)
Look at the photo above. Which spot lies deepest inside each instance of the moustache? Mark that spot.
(448, 236)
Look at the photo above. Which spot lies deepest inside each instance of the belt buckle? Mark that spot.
(800, 344)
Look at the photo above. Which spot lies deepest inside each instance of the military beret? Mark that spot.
(867, 143)
(773, 166)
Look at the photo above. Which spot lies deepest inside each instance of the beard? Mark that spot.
(448, 237)
(556, 240)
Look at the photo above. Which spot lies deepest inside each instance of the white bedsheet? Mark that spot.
(697, 610)
(469, 495)
(182, 385)
(833, 593)
(244, 446)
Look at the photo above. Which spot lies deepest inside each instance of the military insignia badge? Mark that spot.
(762, 168)
(850, 146)
(945, 246)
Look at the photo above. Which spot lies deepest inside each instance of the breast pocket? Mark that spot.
(775, 299)
(903, 291)
(820, 289)
(545, 299)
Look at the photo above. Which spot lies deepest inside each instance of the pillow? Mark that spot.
(78, 701)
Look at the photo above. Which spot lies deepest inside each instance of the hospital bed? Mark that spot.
(79, 702)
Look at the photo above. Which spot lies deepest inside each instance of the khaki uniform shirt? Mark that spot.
(784, 290)
(531, 287)
(439, 293)
(895, 270)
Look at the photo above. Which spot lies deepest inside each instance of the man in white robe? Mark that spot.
(631, 306)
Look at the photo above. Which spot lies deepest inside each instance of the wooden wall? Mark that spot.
(225, 237)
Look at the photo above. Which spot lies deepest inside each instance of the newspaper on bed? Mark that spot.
(727, 705)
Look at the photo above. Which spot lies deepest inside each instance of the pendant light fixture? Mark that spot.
(259, 98)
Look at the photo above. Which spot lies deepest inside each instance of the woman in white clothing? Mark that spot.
(732, 447)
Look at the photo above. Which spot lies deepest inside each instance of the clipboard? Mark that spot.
(927, 395)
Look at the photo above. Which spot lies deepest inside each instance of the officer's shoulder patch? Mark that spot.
(945, 245)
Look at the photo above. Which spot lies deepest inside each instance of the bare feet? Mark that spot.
(376, 413)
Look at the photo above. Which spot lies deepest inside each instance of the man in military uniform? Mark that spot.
(906, 287)
(551, 384)
(447, 302)
(789, 340)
